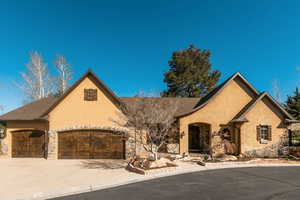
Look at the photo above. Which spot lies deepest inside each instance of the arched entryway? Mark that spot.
(199, 138)
(28, 143)
(90, 144)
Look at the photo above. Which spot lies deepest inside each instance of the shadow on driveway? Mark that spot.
(103, 164)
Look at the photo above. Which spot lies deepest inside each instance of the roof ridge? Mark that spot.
(246, 109)
(86, 74)
(164, 97)
(217, 90)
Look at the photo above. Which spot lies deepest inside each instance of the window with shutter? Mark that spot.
(90, 94)
(258, 133)
(269, 133)
(294, 137)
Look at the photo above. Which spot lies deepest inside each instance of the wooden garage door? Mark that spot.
(90, 144)
(28, 144)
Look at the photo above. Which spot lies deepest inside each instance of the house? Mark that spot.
(80, 123)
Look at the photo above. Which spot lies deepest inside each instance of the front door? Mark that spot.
(194, 139)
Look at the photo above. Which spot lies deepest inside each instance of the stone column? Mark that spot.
(52, 145)
(130, 146)
(3, 148)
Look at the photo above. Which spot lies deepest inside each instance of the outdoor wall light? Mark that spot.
(182, 134)
(2, 133)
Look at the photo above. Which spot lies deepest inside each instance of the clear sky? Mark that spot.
(128, 43)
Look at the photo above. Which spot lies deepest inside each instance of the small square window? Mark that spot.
(90, 94)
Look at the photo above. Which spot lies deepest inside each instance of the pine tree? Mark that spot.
(190, 74)
(292, 104)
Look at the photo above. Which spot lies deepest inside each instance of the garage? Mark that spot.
(90, 144)
(28, 143)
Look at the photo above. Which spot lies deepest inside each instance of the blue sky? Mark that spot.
(128, 43)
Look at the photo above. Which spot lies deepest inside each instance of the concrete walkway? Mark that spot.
(42, 179)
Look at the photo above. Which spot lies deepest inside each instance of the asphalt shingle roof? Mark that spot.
(39, 109)
(30, 111)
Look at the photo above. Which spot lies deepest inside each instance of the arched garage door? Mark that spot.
(28, 143)
(90, 144)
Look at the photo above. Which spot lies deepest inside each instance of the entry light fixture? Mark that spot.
(2, 133)
(182, 134)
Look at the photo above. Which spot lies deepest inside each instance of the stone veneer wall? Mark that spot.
(3, 147)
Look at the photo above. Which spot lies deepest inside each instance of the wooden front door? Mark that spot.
(90, 144)
(28, 144)
(194, 139)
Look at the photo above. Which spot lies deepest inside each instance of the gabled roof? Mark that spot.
(39, 109)
(110, 94)
(216, 91)
(241, 116)
(31, 111)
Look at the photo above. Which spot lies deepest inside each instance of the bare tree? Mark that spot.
(36, 81)
(151, 119)
(65, 74)
(276, 90)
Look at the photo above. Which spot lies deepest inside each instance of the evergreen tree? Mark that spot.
(190, 74)
(292, 104)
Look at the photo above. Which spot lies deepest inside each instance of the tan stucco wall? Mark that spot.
(261, 114)
(219, 110)
(18, 125)
(74, 112)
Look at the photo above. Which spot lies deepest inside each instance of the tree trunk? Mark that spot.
(155, 156)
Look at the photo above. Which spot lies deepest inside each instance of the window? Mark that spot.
(226, 134)
(294, 138)
(90, 94)
(264, 133)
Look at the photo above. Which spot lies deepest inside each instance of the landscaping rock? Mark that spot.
(200, 163)
(226, 157)
(175, 157)
(159, 163)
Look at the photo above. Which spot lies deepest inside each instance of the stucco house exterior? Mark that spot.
(80, 124)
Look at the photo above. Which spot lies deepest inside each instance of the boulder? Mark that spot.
(226, 157)
(200, 163)
(176, 157)
(159, 163)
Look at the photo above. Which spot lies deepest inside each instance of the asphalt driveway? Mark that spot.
(240, 183)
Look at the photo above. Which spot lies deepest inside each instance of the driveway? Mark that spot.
(23, 178)
(270, 183)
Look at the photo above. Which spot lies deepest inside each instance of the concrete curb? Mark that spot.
(141, 178)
